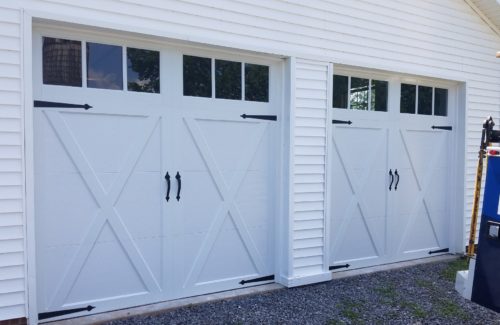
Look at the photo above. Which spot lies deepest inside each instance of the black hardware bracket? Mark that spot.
(41, 103)
(57, 313)
(447, 128)
(341, 122)
(264, 278)
(260, 117)
(444, 250)
(336, 267)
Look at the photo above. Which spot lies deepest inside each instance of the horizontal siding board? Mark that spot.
(11, 273)
(13, 311)
(11, 219)
(11, 259)
(13, 285)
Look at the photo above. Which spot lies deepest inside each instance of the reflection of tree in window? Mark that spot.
(379, 95)
(340, 91)
(256, 82)
(62, 62)
(408, 98)
(143, 70)
(440, 102)
(424, 100)
(359, 93)
(227, 79)
(197, 74)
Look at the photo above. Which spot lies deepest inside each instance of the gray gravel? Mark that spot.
(421, 294)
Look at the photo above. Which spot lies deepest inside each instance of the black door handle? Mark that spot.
(392, 179)
(397, 180)
(179, 183)
(167, 178)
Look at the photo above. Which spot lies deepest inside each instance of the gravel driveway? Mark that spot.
(422, 294)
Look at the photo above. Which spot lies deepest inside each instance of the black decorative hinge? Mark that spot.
(341, 122)
(264, 278)
(447, 128)
(57, 313)
(336, 267)
(41, 103)
(444, 250)
(261, 117)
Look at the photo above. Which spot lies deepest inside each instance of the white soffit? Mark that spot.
(489, 10)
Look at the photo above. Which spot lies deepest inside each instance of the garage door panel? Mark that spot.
(359, 174)
(95, 282)
(239, 261)
(422, 205)
(237, 173)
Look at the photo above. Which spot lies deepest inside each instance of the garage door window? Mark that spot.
(143, 70)
(423, 100)
(197, 75)
(360, 93)
(227, 79)
(104, 66)
(233, 80)
(256, 82)
(62, 62)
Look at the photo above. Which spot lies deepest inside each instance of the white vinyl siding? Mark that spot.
(444, 39)
(12, 260)
(311, 89)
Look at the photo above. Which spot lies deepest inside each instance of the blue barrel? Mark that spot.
(486, 285)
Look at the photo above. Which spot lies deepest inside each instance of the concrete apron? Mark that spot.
(169, 305)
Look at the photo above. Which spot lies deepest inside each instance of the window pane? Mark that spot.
(256, 82)
(340, 91)
(424, 100)
(408, 98)
(197, 74)
(227, 79)
(104, 66)
(379, 95)
(143, 70)
(359, 93)
(62, 62)
(440, 102)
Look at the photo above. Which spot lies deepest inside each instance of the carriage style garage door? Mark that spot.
(155, 172)
(390, 169)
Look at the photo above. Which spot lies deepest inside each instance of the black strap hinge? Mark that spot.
(336, 267)
(41, 103)
(447, 128)
(57, 313)
(341, 122)
(260, 117)
(444, 250)
(264, 278)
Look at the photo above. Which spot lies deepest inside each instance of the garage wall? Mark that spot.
(444, 39)
(12, 262)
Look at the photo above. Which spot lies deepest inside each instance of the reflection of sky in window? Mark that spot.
(104, 66)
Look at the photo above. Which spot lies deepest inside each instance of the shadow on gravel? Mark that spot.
(421, 294)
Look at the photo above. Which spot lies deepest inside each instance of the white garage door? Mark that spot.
(390, 174)
(165, 187)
